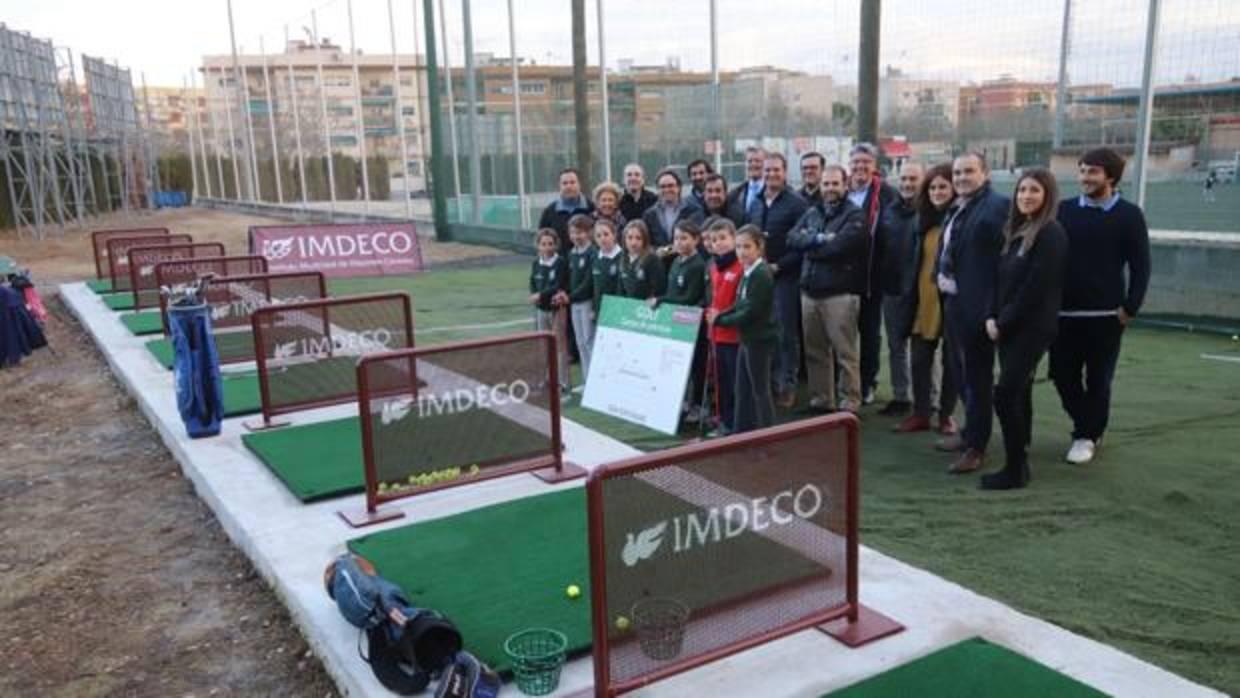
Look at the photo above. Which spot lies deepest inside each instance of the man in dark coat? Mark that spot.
(569, 203)
(868, 191)
(636, 198)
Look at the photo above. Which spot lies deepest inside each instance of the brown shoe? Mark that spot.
(951, 444)
(912, 423)
(787, 400)
(947, 426)
(968, 461)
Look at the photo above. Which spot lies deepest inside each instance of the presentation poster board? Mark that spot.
(641, 361)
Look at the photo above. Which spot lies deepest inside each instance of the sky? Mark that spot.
(962, 40)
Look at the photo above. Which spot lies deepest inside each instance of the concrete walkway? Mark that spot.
(290, 543)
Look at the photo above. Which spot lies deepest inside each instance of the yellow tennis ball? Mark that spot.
(622, 623)
(573, 591)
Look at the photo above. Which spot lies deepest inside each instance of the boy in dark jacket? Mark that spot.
(580, 295)
(548, 280)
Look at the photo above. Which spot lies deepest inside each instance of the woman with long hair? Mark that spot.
(926, 333)
(1024, 316)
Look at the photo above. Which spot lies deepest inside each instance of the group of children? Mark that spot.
(716, 267)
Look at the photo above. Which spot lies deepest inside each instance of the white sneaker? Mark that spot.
(1082, 451)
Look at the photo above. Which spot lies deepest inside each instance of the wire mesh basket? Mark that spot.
(660, 625)
(537, 656)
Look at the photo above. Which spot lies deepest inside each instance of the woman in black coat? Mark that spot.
(1025, 314)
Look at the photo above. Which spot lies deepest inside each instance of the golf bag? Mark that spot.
(196, 367)
(19, 333)
(407, 646)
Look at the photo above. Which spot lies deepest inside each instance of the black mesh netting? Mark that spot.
(455, 411)
(143, 260)
(704, 553)
(118, 255)
(310, 351)
(99, 247)
(234, 299)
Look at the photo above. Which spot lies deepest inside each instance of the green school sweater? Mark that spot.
(686, 281)
(581, 274)
(643, 278)
(754, 312)
(605, 279)
(548, 279)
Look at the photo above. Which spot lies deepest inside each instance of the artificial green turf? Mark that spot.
(973, 668)
(161, 349)
(119, 301)
(143, 322)
(495, 571)
(100, 285)
(324, 459)
(228, 344)
(241, 396)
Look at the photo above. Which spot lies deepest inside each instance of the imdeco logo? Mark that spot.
(343, 343)
(455, 401)
(277, 249)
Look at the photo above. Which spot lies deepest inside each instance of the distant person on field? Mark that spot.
(641, 273)
(812, 165)
(776, 211)
(670, 208)
(753, 314)
(835, 245)
(548, 282)
(569, 203)
(637, 198)
(1207, 187)
(745, 193)
(725, 279)
(1108, 273)
(972, 239)
(686, 285)
(580, 294)
(1024, 318)
(715, 196)
(926, 335)
(698, 171)
(607, 203)
(899, 234)
(868, 192)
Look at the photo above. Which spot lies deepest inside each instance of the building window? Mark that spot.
(409, 111)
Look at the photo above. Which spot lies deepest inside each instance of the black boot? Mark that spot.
(1010, 478)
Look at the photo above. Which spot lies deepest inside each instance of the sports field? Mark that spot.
(1140, 549)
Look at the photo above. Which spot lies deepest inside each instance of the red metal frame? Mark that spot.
(114, 245)
(549, 467)
(134, 269)
(99, 239)
(270, 411)
(217, 262)
(850, 622)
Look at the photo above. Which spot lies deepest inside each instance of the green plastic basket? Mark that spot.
(537, 656)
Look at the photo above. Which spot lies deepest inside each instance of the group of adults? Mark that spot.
(952, 271)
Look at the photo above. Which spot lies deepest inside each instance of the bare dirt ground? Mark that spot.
(115, 579)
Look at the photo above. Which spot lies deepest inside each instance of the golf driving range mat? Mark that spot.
(497, 570)
(100, 285)
(143, 322)
(324, 460)
(974, 668)
(119, 301)
(231, 344)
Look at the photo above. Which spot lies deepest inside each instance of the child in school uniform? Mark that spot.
(753, 315)
(686, 285)
(725, 273)
(605, 276)
(548, 280)
(580, 294)
(641, 274)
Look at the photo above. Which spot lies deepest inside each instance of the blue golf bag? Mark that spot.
(196, 367)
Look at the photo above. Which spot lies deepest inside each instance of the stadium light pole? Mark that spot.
(243, 96)
(215, 133)
(232, 136)
(439, 176)
(1061, 91)
(867, 71)
(271, 123)
(360, 122)
(447, 67)
(1145, 111)
(715, 88)
(471, 121)
(400, 111)
(602, 76)
(202, 142)
(327, 135)
(189, 131)
(522, 204)
(292, 89)
(419, 112)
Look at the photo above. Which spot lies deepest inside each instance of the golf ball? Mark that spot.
(1235, 338)
(622, 623)
(573, 591)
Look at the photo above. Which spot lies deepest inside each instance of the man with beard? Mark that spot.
(812, 164)
(868, 192)
(698, 171)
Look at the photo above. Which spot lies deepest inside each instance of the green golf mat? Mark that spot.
(143, 322)
(324, 460)
(974, 668)
(119, 301)
(100, 285)
(225, 344)
(241, 395)
(497, 570)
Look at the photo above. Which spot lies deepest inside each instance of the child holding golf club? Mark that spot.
(753, 315)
